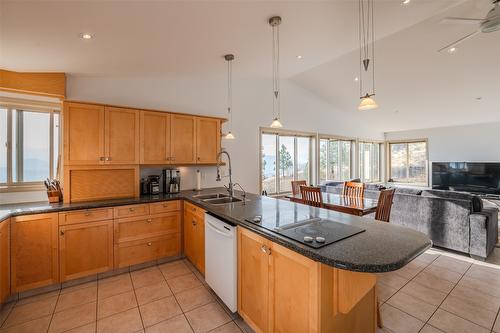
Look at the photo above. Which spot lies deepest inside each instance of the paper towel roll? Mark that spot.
(198, 180)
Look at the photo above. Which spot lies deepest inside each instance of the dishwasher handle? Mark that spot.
(213, 227)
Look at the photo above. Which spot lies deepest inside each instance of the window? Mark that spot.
(284, 157)
(29, 144)
(408, 162)
(335, 159)
(369, 161)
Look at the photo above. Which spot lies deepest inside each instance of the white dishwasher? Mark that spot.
(220, 260)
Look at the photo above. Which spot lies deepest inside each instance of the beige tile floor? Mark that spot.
(442, 292)
(172, 297)
(437, 292)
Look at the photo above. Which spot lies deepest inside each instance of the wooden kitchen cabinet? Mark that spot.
(155, 138)
(83, 134)
(85, 249)
(98, 135)
(183, 136)
(34, 246)
(121, 136)
(4, 260)
(207, 140)
(194, 235)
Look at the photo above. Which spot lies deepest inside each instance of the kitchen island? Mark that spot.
(284, 285)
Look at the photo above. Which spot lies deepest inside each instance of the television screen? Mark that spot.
(474, 177)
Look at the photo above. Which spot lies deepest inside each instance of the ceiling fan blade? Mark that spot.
(460, 20)
(459, 41)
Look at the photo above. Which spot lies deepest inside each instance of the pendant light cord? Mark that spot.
(230, 94)
(276, 64)
(366, 36)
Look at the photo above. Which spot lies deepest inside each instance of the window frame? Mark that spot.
(352, 157)
(280, 132)
(22, 105)
(388, 160)
(380, 159)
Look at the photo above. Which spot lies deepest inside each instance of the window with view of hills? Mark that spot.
(29, 145)
(408, 162)
(284, 157)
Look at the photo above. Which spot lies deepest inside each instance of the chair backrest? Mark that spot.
(354, 189)
(384, 205)
(296, 184)
(311, 196)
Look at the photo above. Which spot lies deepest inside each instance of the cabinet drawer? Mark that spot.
(134, 228)
(192, 209)
(136, 252)
(131, 211)
(163, 207)
(87, 215)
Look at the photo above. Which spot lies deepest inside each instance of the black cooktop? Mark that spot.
(319, 232)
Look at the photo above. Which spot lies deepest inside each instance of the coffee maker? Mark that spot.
(171, 181)
(150, 185)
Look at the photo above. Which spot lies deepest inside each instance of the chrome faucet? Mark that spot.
(229, 188)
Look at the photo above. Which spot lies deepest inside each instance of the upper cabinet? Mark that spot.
(83, 134)
(183, 136)
(155, 137)
(98, 135)
(207, 139)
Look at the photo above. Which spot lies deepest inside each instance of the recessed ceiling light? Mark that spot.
(356, 79)
(405, 2)
(86, 36)
(479, 98)
(299, 57)
(452, 50)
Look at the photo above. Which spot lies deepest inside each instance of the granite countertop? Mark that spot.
(381, 248)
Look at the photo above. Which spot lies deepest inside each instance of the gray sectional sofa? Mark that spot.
(453, 220)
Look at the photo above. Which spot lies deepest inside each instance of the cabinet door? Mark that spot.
(293, 292)
(207, 140)
(183, 139)
(189, 236)
(199, 243)
(4, 260)
(35, 261)
(253, 283)
(121, 133)
(83, 134)
(85, 249)
(155, 138)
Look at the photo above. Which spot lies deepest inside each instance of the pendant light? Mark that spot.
(366, 54)
(229, 58)
(274, 22)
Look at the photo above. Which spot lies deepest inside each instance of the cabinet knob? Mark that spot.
(149, 244)
(193, 222)
(101, 158)
(62, 232)
(172, 158)
(265, 249)
(150, 220)
(198, 158)
(131, 209)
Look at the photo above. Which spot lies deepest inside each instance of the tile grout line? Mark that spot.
(175, 297)
(54, 311)
(97, 303)
(495, 321)
(137, 301)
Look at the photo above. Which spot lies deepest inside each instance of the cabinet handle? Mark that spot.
(193, 222)
(198, 158)
(101, 158)
(169, 158)
(149, 244)
(172, 158)
(150, 220)
(131, 209)
(62, 232)
(265, 249)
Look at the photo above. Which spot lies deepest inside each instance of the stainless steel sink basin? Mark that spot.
(204, 197)
(222, 201)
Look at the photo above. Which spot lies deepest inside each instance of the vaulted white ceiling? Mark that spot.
(188, 39)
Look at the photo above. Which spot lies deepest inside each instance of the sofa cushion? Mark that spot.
(477, 203)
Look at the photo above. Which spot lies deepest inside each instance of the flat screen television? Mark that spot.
(474, 177)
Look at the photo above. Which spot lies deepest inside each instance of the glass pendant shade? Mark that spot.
(367, 103)
(229, 136)
(276, 123)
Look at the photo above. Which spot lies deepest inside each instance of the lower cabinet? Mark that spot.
(194, 235)
(85, 249)
(278, 289)
(34, 256)
(4, 260)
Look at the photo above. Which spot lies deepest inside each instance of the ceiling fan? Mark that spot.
(489, 24)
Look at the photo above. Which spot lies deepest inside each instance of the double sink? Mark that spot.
(217, 198)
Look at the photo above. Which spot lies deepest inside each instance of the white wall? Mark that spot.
(252, 106)
(470, 143)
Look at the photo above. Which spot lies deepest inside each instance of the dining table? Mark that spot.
(344, 204)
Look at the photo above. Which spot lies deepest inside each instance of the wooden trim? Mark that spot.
(143, 109)
(42, 83)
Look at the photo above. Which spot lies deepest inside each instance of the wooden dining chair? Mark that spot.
(383, 212)
(311, 196)
(296, 184)
(354, 189)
